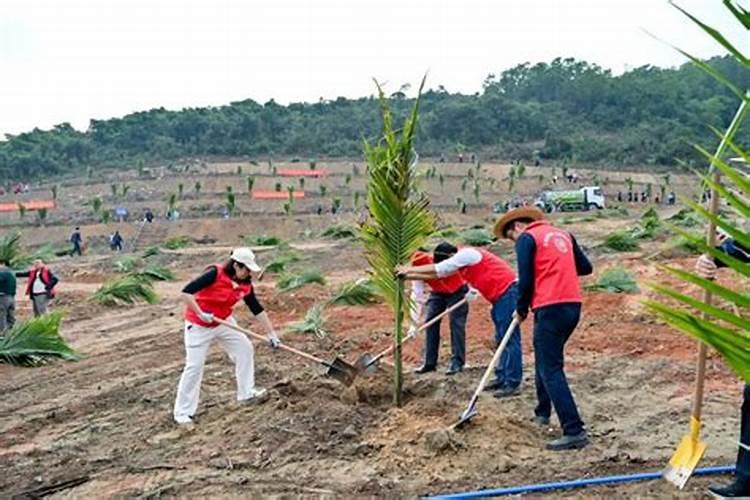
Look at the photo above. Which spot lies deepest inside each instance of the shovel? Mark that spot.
(337, 369)
(368, 364)
(471, 410)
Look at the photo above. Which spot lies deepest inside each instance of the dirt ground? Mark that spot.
(103, 424)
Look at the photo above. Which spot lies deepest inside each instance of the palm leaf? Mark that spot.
(356, 293)
(125, 291)
(293, 281)
(10, 248)
(32, 342)
(339, 231)
(126, 264)
(155, 273)
(279, 263)
(313, 322)
(615, 280)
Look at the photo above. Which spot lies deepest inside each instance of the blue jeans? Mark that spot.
(553, 326)
(509, 369)
(436, 304)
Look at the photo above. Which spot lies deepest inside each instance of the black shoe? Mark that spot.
(541, 421)
(574, 442)
(493, 386)
(424, 369)
(734, 490)
(506, 392)
(454, 369)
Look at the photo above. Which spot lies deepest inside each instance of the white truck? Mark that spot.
(586, 198)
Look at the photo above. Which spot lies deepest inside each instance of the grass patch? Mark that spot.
(476, 237)
(356, 293)
(615, 280)
(446, 232)
(151, 252)
(126, 264)
(292, 281)
(263, 240)
(279, 263)
(177, 242)
(621, 241)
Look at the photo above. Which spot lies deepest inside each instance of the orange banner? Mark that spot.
(28, 205)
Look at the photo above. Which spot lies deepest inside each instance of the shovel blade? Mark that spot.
(342, 371)
(466, 416)
(684, 461)
(366, 364)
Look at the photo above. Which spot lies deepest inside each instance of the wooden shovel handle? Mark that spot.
(264, 339)
(423, 327)
(498, 352)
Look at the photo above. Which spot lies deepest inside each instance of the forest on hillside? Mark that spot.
(563, 111)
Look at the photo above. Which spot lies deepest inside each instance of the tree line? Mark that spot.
(564, 111)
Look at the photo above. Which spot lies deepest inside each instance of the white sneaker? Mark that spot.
(259, 396)
(184, 422)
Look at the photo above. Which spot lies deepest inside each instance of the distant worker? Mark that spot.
(494, 279)
(149, 216)
(7, 295)
(671, 198)
(115, 241)
(40, 287)
(549, 263)
(77, 240)
(619, 196)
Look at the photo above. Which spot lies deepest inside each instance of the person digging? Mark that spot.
(494, 280)
(40, 287)
(706, 266)
(214, 295)
(549, 264)
(443, 293)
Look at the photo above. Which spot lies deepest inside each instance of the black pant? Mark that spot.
(436, 304)
(553, 326)
(743, 457)
(76, 249)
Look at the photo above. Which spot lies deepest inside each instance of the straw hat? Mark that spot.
(507, 219)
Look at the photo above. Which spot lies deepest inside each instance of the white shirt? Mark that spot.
(463, 258)
(418, 298)
(38, 286)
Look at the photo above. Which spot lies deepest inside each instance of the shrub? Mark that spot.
(615, 280)
(476, 237)
(339, 232)
(177, 242)
(621, 241)
(356, 293)
(292, 281)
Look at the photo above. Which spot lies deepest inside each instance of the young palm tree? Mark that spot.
(96, 204)
(400, 220)
(323, 190)
(41, 215)
(231, 203)
(113, 188)
(171, 204)
(21, 210)
(34, 341)
(250, 183)
(180, 190)
(54, 192)
(197, 187)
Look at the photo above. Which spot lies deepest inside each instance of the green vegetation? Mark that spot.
(576, 109)
(293, 281)
(339, 232)
(280, 262)
(155, 273)
(151, 251)
(126, 264)
(476, 237)
(263, 240)
(10, 248)
(356, 293)
(177, 242)
(621, 241)
(127, 290)
(33, 342)
(313, 322)
(615, 280)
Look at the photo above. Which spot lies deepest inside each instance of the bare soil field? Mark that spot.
(102, 428)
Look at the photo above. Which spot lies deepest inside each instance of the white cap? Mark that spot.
(245, 256)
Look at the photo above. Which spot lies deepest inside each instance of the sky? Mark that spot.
(74, 60)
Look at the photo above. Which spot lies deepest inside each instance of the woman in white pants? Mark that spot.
(214, 295)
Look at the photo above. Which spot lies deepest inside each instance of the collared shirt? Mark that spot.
(463, 258)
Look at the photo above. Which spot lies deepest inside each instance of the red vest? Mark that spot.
(555, 275)
(219, 298)
(491, 276)
(45, 279)
(447, 285)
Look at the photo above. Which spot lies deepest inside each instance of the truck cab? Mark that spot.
(585, 198)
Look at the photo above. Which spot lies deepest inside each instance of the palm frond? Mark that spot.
(263, 240)
(177, 242)
(151, 251)
(10, 248)
(155, 273)
(621, 241)
(293, 281)
(313, 322)
(476, 237)
(356, 293)
(279, 263)
(32, 342)
(126, 264)
(339, 231)
(127, 290)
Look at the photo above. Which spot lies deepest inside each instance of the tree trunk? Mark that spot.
(397, 365)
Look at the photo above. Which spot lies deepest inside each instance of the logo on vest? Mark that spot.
(559, 240)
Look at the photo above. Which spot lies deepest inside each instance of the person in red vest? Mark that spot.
(549, 264)
(40, 287)
(444, 293)
(214, 295)
(493, 278)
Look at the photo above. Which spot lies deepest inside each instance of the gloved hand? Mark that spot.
(520, 317)
(472, 295)
(705, 267)
(206, 317)
(274, 340)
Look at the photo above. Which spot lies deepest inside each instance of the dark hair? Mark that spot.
(443, 251)
(4, 261)
(522, 220)
(229, 270)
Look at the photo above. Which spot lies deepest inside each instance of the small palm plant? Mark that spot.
(197, 187)
(323, 190)
(231, 203)
(171, 203)
(54, 192)
(124, 190)
(96, 204)
(250, 183)
(127, 290)
(21, 210)
(400, 220)
(180, 190)
(33, 342)
(41, 215)
(10, 248)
